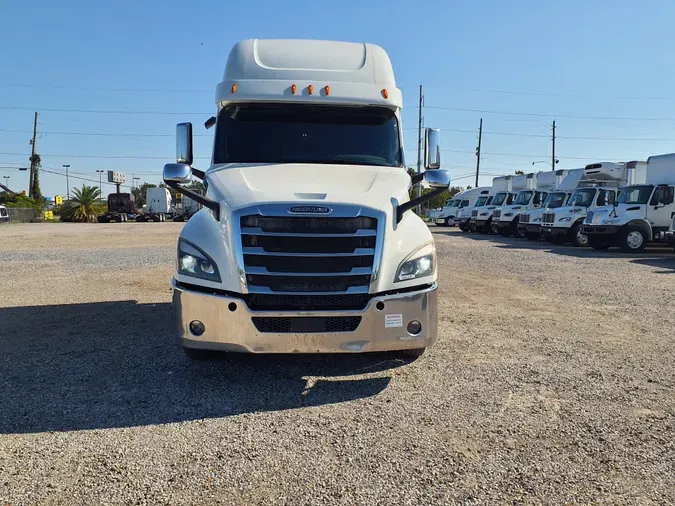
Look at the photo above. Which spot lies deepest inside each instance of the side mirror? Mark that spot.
(432, 149)
(177, 173)
(666, 195)
(184, 143)
(437, 178)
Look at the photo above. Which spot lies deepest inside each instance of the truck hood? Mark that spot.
(239, 185)
(578, 210)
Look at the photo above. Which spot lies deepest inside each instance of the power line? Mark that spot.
(548, 115)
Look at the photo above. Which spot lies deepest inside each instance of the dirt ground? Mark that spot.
(553, 382)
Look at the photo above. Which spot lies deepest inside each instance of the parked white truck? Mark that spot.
(448, 215)
(529, 224)
(305, 242)
(463, 217)
(4, 215)
(643, 212)
(481, 217)
(598, 186)
(534, 194)
(158, 204)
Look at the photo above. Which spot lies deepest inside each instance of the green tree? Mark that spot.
(35, 191)
(520, 172)
(83, 205)
(139, 193)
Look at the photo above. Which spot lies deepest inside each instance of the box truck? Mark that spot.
(643, 212)
(464, 199)
(529, 223)
(481, 217)
(158, 204)
(306, 242)
(598, 186)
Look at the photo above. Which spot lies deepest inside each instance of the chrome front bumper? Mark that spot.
(234, 331)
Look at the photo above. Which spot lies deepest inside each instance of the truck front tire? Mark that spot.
(578, 239)
(632, 239)
(415, 353)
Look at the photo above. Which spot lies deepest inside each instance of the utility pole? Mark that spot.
(480, 137)
(419, 148)
(100, 188)
(33, 165)
(553, 151)
(6, 181)
(67, 166)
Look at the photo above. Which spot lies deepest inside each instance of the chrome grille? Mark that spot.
(474, 213)
(496, 214)
(524, 218)
(597, 218)
(308, 254)
(306, 324)
(548, 218)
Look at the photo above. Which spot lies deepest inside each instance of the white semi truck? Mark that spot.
(158, 204)
(529, 224)
(4, 215)
(643, 212)
(534, 194)
(598, 186)
(306, 242)
(481, 217)
(448, 215)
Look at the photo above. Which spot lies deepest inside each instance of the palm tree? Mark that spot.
(83, 205)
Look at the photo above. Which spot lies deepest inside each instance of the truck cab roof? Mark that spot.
(315, 71)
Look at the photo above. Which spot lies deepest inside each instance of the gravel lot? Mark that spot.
(553, 382)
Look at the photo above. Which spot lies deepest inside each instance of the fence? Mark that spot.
(24, 215)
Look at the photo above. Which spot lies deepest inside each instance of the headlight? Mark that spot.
(536, 220)
(420, 263)
(483, 214)
(508, 214)
(192, 261)
(565, 218)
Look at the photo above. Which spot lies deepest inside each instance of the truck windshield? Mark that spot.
(499, 199)
(635, 194)
(555, 199)
(582, 197)
(299, 133)
(465, 203)
(523, 198)
(480, 201)
(453, 203)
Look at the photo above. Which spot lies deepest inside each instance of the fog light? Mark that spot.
(197, 327)
(414, 328)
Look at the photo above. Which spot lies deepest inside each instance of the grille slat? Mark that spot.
(474, 213)
(308, 255)
(496, 214)
(524, 218)
(296, 302)
(548, 218)
(306, 324)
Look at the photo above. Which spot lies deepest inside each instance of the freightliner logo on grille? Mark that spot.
(310, 210)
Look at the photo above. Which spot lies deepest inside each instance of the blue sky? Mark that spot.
(572, 61)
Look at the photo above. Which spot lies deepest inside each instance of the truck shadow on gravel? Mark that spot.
(115, 364)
